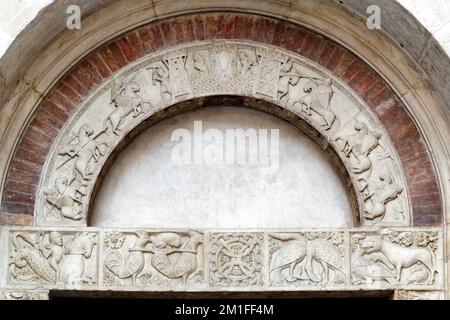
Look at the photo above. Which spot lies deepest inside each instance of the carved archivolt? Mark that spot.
(215, 68)
(110, 259)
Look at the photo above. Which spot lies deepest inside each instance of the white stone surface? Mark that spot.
(144, 188)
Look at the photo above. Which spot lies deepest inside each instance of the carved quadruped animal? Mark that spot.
(401, 257)
(311, 101)
(126, 100)
(160, 74)
(84, 149)
(64, 198)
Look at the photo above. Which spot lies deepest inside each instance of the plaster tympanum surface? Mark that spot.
(145, 182)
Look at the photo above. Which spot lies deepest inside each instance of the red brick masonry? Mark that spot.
(26, 165)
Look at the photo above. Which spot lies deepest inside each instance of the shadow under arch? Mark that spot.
(239, 101)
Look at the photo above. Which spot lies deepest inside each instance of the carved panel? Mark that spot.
(153, 259)
(214, 68)
(270, 63)
(176, 62)
(307, 259)
(211, 260)
(393, 258)
(236, 259)
(53, 258)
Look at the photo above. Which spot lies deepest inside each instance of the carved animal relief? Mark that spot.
(53, 257)
(199, 260)
(307, 259)
(394, 258)
(153, 259)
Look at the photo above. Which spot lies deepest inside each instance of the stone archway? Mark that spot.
(145, 88)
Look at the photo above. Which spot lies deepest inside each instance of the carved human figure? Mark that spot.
(160, 74)
(126, 100)
(357, 147)
(312, 101)
(247, 64)
(85, 150)
(381, 192)
(54, 252)
(400, 257)
(362, 142)
(176, 63)
(59, 260)
(200, 68)
(65, 198)
(289, 77)
(223, 62)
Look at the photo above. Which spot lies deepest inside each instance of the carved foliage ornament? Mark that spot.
(213, 68)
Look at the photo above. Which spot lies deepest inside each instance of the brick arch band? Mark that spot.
(26, 165)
